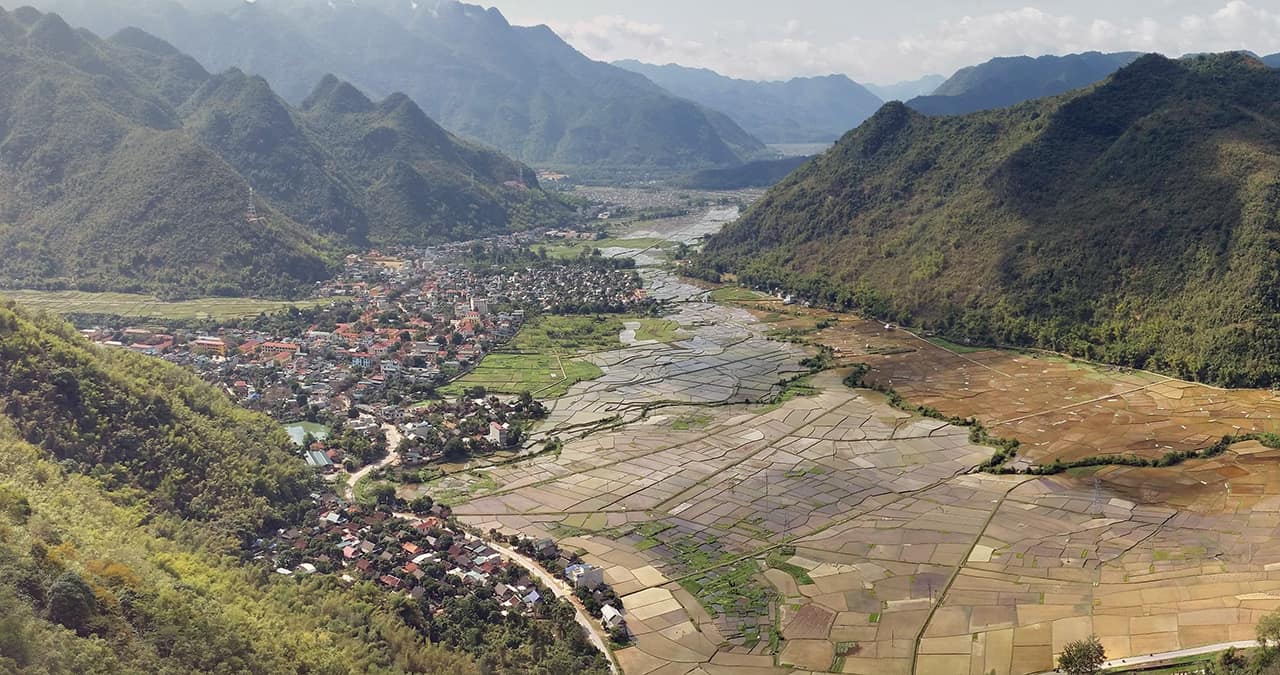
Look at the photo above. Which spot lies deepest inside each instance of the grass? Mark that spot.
(571, 250)
(735, 294)
(462, 488)
(778, 561)
(149, 307)
(691, 421)
(540, 358)
(660, 330)
(954, 347)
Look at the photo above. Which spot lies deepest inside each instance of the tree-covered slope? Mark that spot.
(126, 166)
(102, 188)
(1006, 81)
(799, 110)
(520, 89)
(1136, 222)
(126, 491)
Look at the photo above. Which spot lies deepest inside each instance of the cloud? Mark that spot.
(741, 50)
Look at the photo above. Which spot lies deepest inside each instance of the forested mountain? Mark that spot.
(906, 90)
(799, 110)
(760, 173)
(521, 89)
(131, 502)
(126, 166)
(1136, 222)
(128, 487)
(1005, 81)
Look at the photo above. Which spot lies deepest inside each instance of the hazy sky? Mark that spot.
(885, 41)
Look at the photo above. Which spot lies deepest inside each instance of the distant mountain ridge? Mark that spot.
(1006, 81)
(1136, 222)
(126, 166)
(799, 110)
(520, 89)
(906, 90)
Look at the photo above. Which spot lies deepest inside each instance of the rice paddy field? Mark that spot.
(148, 307)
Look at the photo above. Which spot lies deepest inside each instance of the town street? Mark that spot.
(393, 442)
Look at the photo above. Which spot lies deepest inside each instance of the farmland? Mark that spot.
(148, 307)
(829, 530)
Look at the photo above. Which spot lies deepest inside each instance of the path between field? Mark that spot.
(955, 574)
(1164, 656)
(1080, 403)
(393, 442)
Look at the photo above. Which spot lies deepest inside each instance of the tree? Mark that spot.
(422, 504)
(1082, 657)
(455, 449)
(71, 601)
(1268, 629)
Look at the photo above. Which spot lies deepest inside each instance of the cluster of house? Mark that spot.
(467, 426)
(409, 319)
(411, 557)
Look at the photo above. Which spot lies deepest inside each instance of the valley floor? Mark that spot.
(836, 533)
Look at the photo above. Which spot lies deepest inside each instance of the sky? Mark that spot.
(884, 42)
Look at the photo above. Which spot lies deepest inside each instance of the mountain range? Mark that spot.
(1136, 222)
(1005, 81)
(126, 166)
(906, 90)
(520, 89)
(799, 110)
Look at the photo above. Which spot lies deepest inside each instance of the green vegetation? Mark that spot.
(1082, 657)
(691, 421)
(153, 433)
(660, 330)
(954, 347)
(757, 174)
(524, 91)
(128, 490)
(730, 294)
(546, 375)
(541, 359)
(1005, 81)
(1130, 223)
(130, 167)
(778, 560)
(149, 307)
(572, 250)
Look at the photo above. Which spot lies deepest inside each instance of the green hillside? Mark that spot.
(125, 166)
(127, 491)
(133, 498)
(1006, 81)
(102, 188)
(1135, 222)
(520, 89)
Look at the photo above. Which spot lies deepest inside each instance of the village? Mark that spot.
(430, 559)
(386, 334)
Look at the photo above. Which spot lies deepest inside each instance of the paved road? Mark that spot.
(562, 590)
(1165, 656)
(393, 441)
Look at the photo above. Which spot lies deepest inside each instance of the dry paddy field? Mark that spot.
(835, 533)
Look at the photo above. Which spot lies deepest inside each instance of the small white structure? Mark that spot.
(610, 617)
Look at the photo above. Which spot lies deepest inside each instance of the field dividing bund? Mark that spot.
(132, 305)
